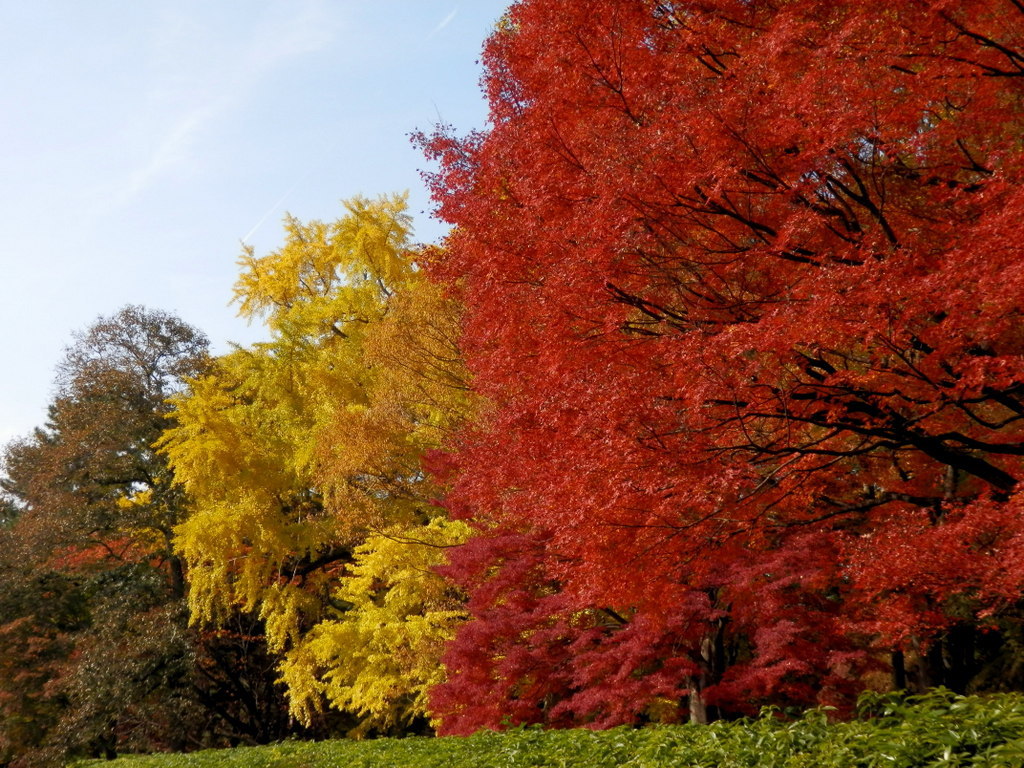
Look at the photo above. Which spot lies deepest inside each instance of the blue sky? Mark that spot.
(142, 141)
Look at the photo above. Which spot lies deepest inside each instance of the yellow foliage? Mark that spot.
(303, 457)
(330, 275)
(381, 656)
(137, 499)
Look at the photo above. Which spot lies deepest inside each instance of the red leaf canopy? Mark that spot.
(743, 286)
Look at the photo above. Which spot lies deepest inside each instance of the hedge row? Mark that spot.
(938, 729)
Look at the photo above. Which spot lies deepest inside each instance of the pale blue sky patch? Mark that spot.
(142, 142)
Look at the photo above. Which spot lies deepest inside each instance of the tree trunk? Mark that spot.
(899, 671)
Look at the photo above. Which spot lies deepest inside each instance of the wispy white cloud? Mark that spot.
(201, 72)
(173, 148)
(444, 23)
(286, 33)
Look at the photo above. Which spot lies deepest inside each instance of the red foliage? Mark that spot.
(531, 656)
(744, 287)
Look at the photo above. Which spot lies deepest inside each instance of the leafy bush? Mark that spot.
(891, 730)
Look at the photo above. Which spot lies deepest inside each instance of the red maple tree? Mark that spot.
(743, 285)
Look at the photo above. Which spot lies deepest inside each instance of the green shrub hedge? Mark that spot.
(891, 731)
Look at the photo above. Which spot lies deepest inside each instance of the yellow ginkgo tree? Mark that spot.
(303, 455)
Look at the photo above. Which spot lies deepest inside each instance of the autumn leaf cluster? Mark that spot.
(743, 286)
(712, 398)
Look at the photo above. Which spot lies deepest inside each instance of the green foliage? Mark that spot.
(92, 620)
(937, 729)
(95, 651)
